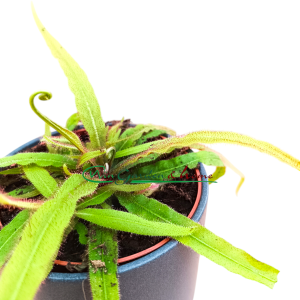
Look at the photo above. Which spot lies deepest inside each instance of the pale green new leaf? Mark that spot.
(86, 101)
(41, 179)
(103, 255)
(119, 220)
(10, 234)
(73, 121)
(41, 240)
(39, 158)
(202, 240)
(71, 136)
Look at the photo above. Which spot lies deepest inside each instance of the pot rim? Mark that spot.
(160, 248)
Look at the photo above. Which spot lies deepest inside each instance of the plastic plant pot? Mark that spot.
(165, 271)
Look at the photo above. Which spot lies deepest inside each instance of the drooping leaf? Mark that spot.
(103, 255)
(41, 179)
(10, 234)
(73, 121)
(86, 101)
(27, 203)
(41, 240)
(39, 158)
(202, 240)
(228, 164)
(164, 168)
(119, 220)
(82, 232)
(209, 137)
(219, 172)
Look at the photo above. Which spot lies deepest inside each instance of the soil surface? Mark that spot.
(181, 197)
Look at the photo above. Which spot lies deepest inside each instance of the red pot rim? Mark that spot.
(156, 246)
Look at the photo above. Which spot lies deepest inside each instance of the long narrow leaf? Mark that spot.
(10, 234)
(86, 101)
(176, 165)
(123, 221)
(41, 179)
(202, 240)
(103, 256)
(210, 137)
(41, 240)
(38, 158)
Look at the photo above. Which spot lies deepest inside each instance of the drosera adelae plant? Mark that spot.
(30, 242)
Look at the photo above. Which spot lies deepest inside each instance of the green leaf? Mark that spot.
(90, 155)
(202, 240)
(103, 255)
(100, 196)
(31, 194)
(86, 101)
(153, 133)
(219, 172)
(164, 168)
(39, 158)
(10, 234)
(105, 192)
(41, 240)
(123, 221)
(134, 150)
(73, 121)
(58, 144)
(41, 179)
(82, 232)
(22, 190)
(13, 171)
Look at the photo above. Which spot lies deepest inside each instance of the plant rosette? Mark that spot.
(177, 263)
(55, 198)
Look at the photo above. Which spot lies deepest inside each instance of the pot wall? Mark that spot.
(167, 273)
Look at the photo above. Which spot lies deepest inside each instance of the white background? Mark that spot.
(189, 65)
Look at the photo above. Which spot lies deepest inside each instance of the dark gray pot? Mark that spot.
(168, 273)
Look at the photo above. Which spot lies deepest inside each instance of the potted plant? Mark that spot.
(99, 181)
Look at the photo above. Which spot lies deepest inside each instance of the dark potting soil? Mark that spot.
(181, 197)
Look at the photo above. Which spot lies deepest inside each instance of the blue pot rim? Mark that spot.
(140, 261)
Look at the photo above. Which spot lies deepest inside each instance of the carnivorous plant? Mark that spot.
(69, 192)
